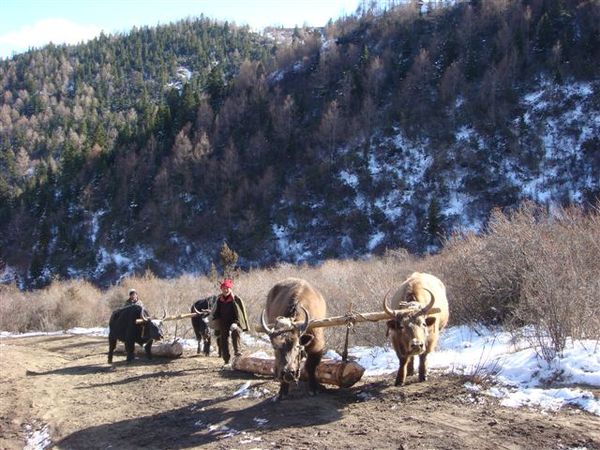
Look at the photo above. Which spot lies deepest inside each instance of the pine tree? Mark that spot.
(228, 259)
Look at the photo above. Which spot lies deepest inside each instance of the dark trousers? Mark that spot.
(223, 341)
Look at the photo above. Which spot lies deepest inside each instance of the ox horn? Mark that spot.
(263, 322)
(200, 313)
(145, 318)
(428, 307)
(302, 328)
(386, 307)
(164, 314)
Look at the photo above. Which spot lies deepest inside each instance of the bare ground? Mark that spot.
(64, 383)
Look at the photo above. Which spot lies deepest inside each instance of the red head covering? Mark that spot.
(227, 283)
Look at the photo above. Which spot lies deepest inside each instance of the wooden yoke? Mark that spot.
(341, 320)
(178, 317)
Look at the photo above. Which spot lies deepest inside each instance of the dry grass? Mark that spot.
(529, 267)
(61, 305)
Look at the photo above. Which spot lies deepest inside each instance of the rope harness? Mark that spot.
(350, 318)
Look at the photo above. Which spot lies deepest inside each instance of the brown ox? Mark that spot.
(291, 304)
(421, 311)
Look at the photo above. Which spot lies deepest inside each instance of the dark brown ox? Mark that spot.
(291, 305)
(420, 312)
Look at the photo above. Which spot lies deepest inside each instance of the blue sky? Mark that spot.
(34, 23)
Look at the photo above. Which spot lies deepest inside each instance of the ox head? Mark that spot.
(152, 327)
(288, 339)
(410, 325)
(202, 313)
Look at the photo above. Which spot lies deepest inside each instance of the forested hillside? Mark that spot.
(389, 128)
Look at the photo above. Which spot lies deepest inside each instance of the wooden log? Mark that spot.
(342, 320)
(250, 364)
(339, 373)
(163, 349)
(329, 371)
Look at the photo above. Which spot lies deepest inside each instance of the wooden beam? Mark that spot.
(341, 320)
(178, 317)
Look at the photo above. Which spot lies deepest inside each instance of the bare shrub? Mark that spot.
(484, 274)
(562, 282)
(529, 267)
(74, 303)
(14, 310)
(61, 305)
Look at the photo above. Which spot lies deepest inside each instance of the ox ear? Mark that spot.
(429, 321)
(391, 325)
(306, 339)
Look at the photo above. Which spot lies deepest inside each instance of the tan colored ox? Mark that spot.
(291, 305)
(420, 312)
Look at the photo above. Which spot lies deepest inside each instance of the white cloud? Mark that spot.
(42, 32)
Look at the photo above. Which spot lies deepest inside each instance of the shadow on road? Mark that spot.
(218, 420)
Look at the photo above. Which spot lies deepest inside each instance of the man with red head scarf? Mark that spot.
(229, 318)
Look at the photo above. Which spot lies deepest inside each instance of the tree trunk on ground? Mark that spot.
(338, 373)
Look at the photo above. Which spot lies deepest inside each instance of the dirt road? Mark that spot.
(62, 387)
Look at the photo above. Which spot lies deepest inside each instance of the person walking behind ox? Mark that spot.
(133, 299)
(229, 318)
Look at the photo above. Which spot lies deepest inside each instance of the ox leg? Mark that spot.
(199, 339)
(148, 348)
(401, 376)
(206, 344)
(410, 368)
(423, 367)
(112, 344)
(130, 348)
(284, 389)
(312, 361)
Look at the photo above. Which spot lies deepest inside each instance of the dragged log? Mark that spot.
(162, 349)
(329, 371)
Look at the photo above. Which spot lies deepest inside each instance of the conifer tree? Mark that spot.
(228, 259)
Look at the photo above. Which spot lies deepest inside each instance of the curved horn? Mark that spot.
(386, 307)
(263, 322)
(164, 314)
(302, 328)
(200, 313)
(426, 308)
(145, 318)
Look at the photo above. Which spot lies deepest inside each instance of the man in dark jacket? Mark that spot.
(229, 318)
(133, 298)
